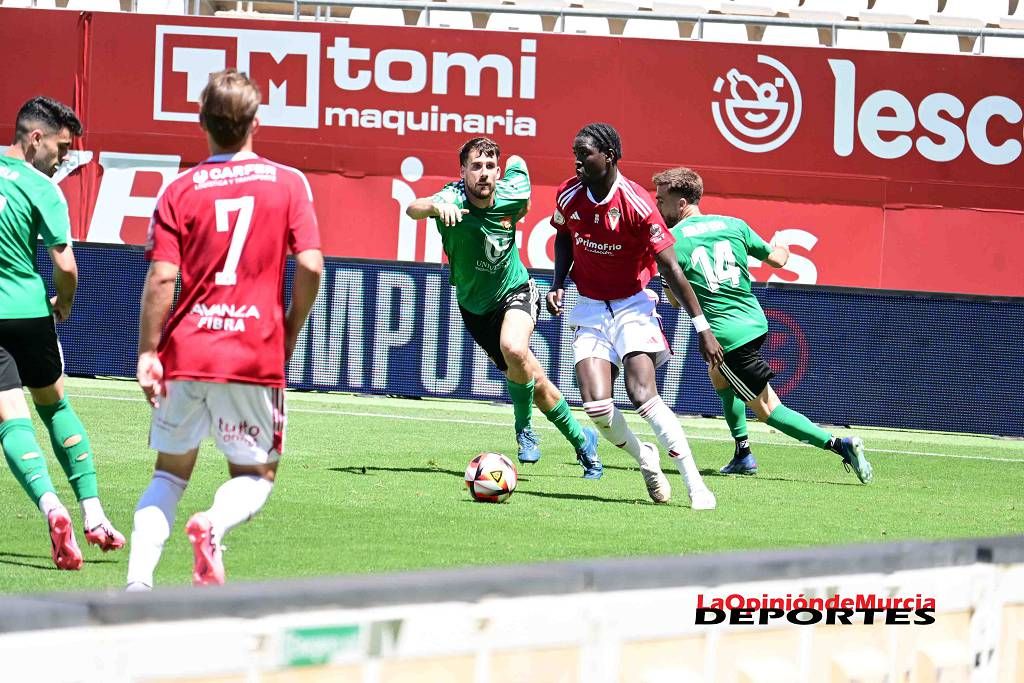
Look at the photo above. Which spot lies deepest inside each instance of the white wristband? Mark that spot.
(700, 323)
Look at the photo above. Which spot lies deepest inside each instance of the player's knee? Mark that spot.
(640, 393)
(516, 355)
(600, 412)
(761, 409)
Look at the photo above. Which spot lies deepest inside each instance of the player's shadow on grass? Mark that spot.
(46, 563)
(372, 469)
(789, 480)
(582, 496)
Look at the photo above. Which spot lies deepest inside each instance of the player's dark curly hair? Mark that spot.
(605, 138)
(484, 147)
(47, 112)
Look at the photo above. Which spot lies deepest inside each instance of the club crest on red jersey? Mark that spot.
(613, 218)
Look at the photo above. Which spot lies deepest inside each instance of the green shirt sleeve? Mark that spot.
(756, 246)
(450, 194)
(515, 184)
(52, 218)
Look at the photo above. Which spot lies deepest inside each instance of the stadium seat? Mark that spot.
(679, 6)
(446, 18)
(1001, 46)
(828, 10)
(1014, 20)
(900, 11)
(974, 13)
(506, 21)
(854, 39)
(932, 43)
(174, 7)
(724, 33)
(94, 5)
(40, 4)
(651, 28)
(377, 16)
(591, 26)
(763, 8)
(800, 36)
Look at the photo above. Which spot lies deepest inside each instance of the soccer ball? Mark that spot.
(491, 478)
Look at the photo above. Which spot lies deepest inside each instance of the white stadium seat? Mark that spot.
(900, 11)
(40, 4)
(829, 10)
(591, 26)
(800, 36)
(933, 43)
(765, 8)
(377, 16)
(506, 21)
(1015, 20)
(724, 33)
(94, 5)
(854, 39)
(970, 13)
(446, 18)
(174, 7)
(1001, 46)
(651, 28)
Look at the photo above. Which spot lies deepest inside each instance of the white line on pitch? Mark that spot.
(452, 420)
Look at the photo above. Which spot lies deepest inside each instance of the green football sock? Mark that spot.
(562, 418)
(71, 446)
(25, 457)
(522, 402)
(734, 411)
(792, 423)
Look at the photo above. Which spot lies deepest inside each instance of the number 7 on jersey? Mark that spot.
(223, 208)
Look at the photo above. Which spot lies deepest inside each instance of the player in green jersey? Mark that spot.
(712, 252)
(33, 207)
(499, 302)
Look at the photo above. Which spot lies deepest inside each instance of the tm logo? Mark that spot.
(758, 117)
(285, 65)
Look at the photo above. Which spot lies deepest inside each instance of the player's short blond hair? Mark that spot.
(227, 106)
(683, 181)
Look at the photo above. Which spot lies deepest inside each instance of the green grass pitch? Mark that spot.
(373, 484)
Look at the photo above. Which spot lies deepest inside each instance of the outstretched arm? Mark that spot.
(426, 207)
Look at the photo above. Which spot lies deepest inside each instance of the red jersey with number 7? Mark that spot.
(228, 223)
(613, 240)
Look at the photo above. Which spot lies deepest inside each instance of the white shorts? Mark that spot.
(613, 329)
(246, 421)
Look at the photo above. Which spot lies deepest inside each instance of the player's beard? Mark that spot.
(472, 192)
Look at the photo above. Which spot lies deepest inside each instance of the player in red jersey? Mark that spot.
(218, 369)
(615, 240)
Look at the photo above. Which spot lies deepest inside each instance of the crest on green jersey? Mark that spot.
(496, 247)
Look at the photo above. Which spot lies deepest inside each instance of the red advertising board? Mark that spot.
(880, 169)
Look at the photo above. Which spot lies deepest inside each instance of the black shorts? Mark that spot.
(485, 328)
(33, 344)
(746, 371)
(9, 378)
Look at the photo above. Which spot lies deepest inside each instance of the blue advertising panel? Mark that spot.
(841, 357)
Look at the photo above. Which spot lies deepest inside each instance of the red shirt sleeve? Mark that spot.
(163, 241)
(558, 216)
(653, 226)
(303, 231)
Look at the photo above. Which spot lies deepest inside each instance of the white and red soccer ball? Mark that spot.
(491, 478)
